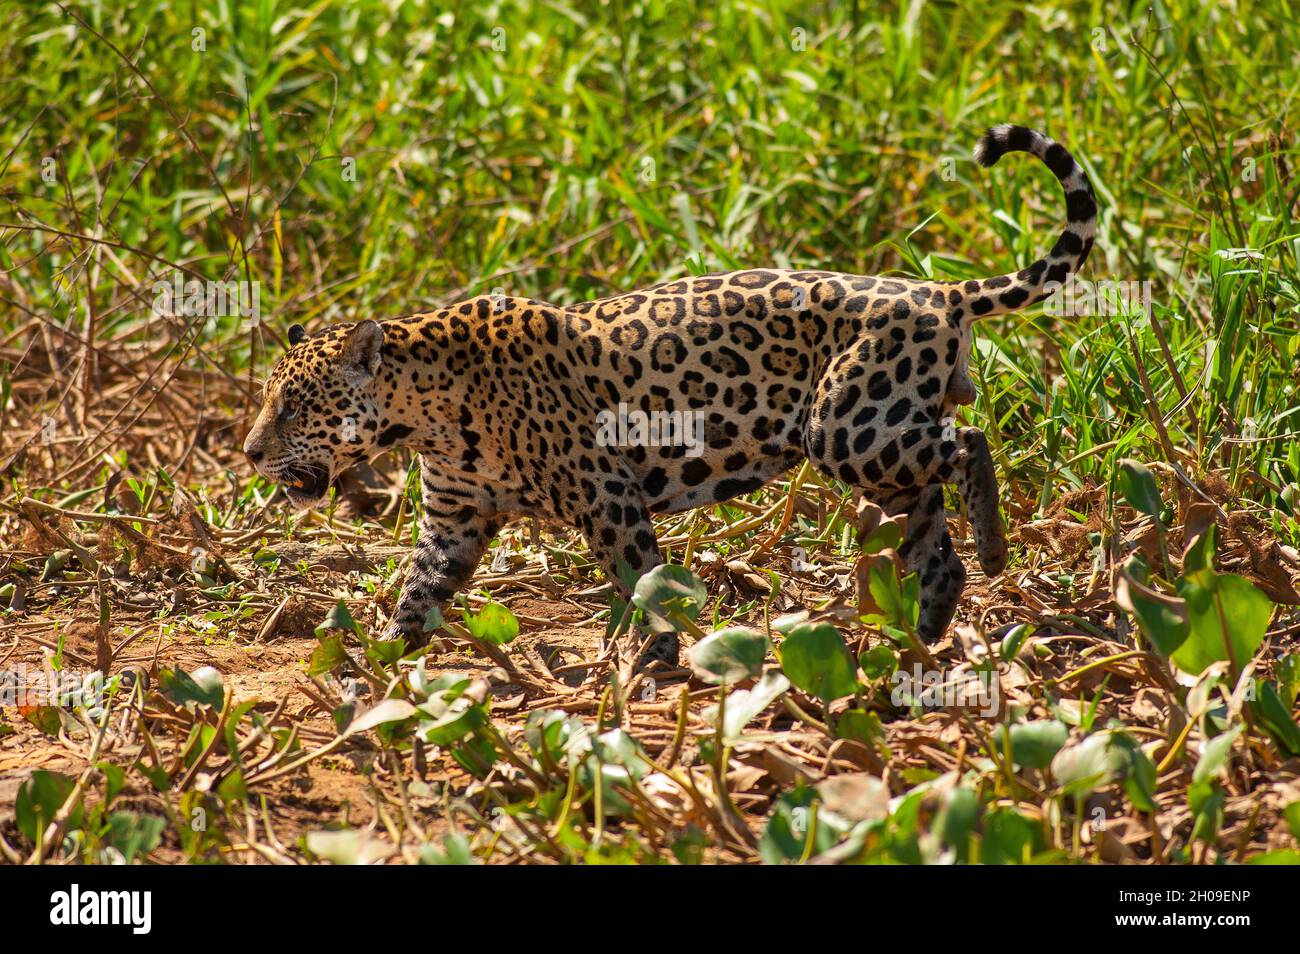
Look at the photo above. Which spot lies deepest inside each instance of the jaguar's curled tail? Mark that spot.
(1016, 290)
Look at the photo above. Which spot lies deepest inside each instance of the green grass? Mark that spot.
(364, 159)
(607, 149)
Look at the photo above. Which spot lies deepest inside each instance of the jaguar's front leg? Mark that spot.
(455, 531)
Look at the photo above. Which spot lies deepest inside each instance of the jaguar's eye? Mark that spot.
(288, 410)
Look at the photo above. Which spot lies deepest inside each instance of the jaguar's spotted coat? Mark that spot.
(500, 397)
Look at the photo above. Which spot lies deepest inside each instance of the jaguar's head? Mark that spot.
(320, 409)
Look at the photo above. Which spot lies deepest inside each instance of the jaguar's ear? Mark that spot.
(362, 351)
(297, 333)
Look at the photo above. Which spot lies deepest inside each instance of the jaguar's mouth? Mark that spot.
(305, 484)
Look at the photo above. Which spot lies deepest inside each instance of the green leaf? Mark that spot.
(476, 755)
(1288, 678)
(790, 826)
(338, 618)
(1009, 838)
(1214, 755)
(743, 705)
(878, 662)
(1199, 554)
(384, 651)
(817, 661)
(203, 688)
(1139, 488)
(450, 713)
(956, 820)
(729, 655)
(1011, 642)
(1206, 801)
(670, 592)
(1162, 619)
(327, 654)
(493, 624)
(1033, 744)
(1140, 785)
(899, 600)
(348, 847)
(859, 725)
(549, 734)
(1089, 764)
(784, 624)
(1275, 716)
(1284, 856)
(39, 800)
(1292, 815)
(888, 535)
(455, 851)
(133, 834)
(383, 712)
(1215, 601)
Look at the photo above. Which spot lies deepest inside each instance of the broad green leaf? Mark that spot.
(878, 662)
(203, 688)
(1009, 838)
(1292, 815)
(668, 592)
(790, 826)
(450, 713)
(1013, 640)
(1162, 619)
(1139, 488)
(1284, 856)
(1288, 678)
(956, 820)
(743, 705)
(1275, 716)
(859, 725)
(1206, 801)
(385, 711)
(784, 624)
(1033, 744)
(1199, 554)
(1215, 601)
(134, 834)
(39, 800)
(1089, 764)
(493, 624)
(888, 535)
(817, 661)
(899, 600)
(455, 851)
(348, 847)
(338, 618)
(327, 654)
(729, 655)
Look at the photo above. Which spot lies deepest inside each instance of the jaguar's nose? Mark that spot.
(253, 453)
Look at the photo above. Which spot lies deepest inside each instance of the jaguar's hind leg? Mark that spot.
(927, 550)
(914, 456)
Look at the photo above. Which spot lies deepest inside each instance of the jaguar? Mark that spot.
(501, 398)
